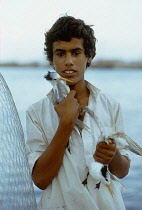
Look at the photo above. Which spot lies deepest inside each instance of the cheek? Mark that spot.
(84, 62)
(56, 64)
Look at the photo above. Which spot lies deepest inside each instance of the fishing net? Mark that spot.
(16, 188)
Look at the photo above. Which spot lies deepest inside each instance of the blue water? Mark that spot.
(28, 86)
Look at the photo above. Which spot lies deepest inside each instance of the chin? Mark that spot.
(70, 83)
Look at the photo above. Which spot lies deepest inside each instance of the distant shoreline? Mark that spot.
(102, 64)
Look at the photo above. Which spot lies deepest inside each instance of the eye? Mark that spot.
(76, 53)
(60, 54)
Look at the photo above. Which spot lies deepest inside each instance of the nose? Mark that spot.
(69, 60)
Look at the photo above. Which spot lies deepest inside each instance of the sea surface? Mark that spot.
(27, 86)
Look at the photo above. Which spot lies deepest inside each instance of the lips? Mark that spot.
(69, 71)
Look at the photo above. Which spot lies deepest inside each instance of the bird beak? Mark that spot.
(67, 80)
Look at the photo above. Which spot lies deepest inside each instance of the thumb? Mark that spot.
(56, 105)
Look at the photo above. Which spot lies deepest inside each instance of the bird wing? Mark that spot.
(132, 145)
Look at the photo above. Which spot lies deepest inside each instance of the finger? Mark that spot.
(104, 145)
(109, 152)
(111, 141)
(106, 155)
(72, 93)
(100, 160)
(56, 103)
(56, 106)
(106, 158)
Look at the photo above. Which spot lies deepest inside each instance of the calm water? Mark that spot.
(28, 85)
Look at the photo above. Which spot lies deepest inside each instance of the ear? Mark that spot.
(51, 64)
(89, 60)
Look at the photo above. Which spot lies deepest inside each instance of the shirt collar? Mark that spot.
(93, 90)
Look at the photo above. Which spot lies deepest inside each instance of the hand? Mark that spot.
(68, 110)
(105, 152)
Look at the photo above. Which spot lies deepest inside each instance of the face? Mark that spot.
(69, 60)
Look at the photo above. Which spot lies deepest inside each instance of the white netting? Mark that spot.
(16, 188)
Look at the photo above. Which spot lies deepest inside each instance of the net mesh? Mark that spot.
(16, 188)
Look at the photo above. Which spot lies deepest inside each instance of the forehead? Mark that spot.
(74, 43)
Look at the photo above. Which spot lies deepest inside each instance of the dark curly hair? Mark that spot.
(64, 29)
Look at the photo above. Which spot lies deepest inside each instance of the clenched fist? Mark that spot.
(68, 110)
(105, 152)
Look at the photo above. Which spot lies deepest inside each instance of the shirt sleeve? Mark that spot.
(36, 142)
(119, 127)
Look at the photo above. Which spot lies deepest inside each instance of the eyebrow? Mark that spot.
(61, 50)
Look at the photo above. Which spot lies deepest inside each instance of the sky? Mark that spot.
(117, 26)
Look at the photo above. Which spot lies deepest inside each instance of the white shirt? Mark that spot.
(66, 191)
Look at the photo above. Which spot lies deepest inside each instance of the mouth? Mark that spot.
(69, 72)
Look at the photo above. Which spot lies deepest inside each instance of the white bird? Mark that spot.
(98, 170)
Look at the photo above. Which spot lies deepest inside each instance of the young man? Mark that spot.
(62, 174)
